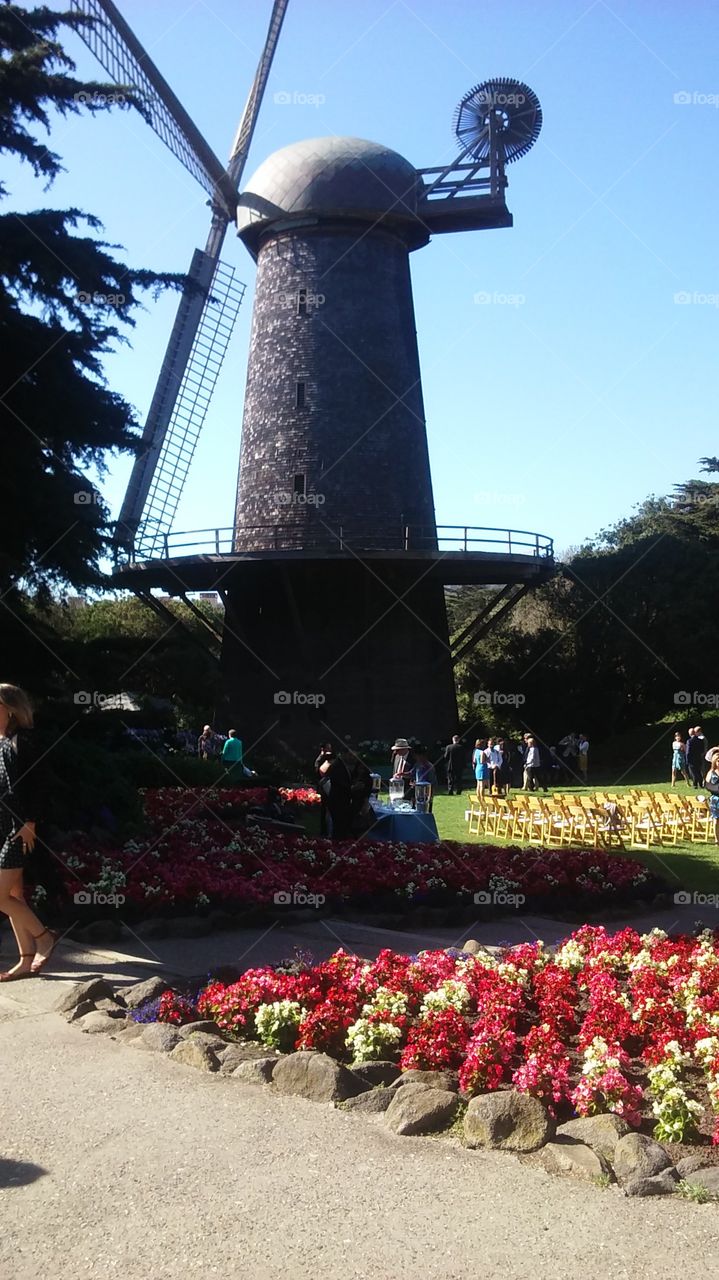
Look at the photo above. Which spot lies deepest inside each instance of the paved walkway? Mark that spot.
(114, 1161)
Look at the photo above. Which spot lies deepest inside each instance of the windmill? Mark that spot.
(333, 572)
(208, 308)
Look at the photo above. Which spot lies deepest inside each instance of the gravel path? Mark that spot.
(114, 1161)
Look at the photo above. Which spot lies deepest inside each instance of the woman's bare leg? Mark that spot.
(23, 937)
(25, 924)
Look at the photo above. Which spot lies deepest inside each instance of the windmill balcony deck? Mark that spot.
(450, 554)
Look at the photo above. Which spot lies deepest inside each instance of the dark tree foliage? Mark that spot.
(64, 302)
(628, 623)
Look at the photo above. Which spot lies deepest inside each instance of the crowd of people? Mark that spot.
(500, 764)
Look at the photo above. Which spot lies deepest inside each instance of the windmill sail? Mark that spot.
(208, 308)
(122, 56)
(198, 343)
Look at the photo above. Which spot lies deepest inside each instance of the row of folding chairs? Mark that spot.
(605, 819)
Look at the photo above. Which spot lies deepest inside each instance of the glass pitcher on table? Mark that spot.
(422, 795)
(396, 792)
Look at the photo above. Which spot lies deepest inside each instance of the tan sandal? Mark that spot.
(26, 973)
(38, 967)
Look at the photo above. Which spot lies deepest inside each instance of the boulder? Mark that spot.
(92, 988)
(420, 1108)
(447, 1080)
(85, 1006)
(111, 1007)
(601, 1133)
(507, 1121)
(97, 1023)
(128, 1030)
(575, 1158)
(255, 1070)
(140, 992)
(372, 1103)
(189, 1028)
(637, 1156)
(658, 1184)
(690, 1164)
(232, 1055)
(706, 1177)
(471, 946)
(376, 1073)
(160, 1037)
(215, 1043)
(192, 1054)
(315, 1076)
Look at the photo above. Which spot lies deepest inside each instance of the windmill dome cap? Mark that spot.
(331, 175)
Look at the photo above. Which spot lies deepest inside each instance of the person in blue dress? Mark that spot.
(679, 759)
(711, 783)
(480, 764)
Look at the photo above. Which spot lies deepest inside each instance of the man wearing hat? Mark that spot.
(403, 763)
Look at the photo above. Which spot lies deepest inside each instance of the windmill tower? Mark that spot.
(333, 570)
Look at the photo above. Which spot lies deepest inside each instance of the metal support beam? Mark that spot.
(157, 606)
(486, 619)
(197, 613)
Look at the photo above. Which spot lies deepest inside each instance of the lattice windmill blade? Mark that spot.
(209, 306)
(122, 56)
(198, 342)
(243, 138)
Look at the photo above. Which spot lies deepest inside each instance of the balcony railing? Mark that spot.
(354, 536)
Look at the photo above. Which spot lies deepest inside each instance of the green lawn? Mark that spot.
(683, 866)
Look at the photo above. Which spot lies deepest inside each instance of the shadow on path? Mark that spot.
(18, 1173)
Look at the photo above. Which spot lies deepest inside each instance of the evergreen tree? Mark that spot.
(64, 302)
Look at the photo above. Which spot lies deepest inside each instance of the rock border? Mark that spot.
(601, 1150)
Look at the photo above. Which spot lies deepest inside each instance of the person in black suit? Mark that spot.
(454, 762)
(696, 746)
(19, 807)
(337, 780)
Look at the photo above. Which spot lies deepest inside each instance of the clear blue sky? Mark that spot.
(558, 414)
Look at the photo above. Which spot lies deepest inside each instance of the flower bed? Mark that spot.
(194, 859)
(164, 805)
(627, 1024)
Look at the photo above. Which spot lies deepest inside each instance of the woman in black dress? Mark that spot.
(17, 833)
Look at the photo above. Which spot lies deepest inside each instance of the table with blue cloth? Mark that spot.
(405, 826)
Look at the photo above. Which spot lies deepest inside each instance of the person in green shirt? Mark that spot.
(232, 756)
